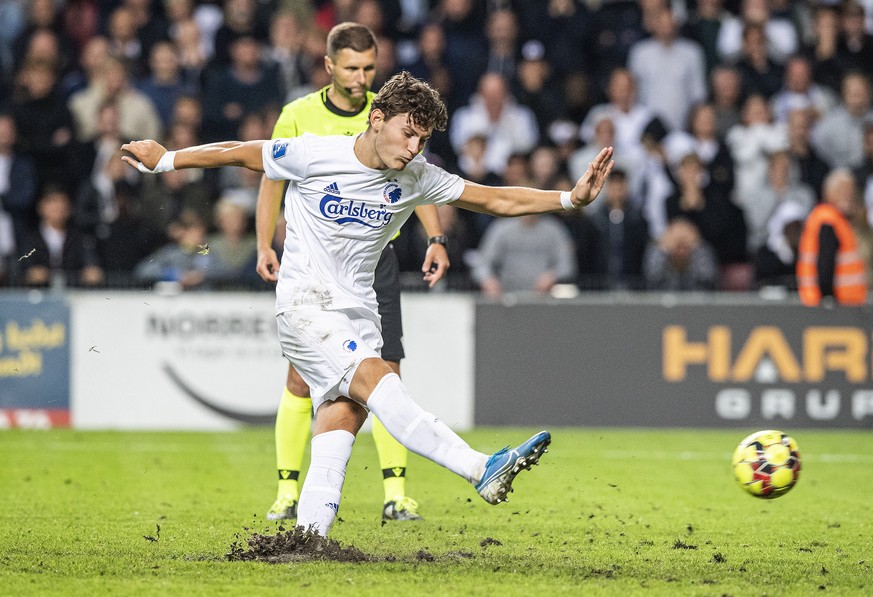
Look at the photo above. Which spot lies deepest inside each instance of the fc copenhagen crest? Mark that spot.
(391, 192)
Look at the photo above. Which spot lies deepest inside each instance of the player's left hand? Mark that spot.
(436, 264)
(588, 187)
(147, 153)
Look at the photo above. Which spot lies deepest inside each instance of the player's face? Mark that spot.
(352, 74)
(399, 140)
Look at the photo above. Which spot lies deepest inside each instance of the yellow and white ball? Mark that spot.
(767, 464)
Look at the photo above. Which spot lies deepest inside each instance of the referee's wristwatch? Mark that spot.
(438, 240)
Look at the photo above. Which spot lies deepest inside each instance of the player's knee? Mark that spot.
(395, 366)
(368, 374)
(295, 384)
(341, 413)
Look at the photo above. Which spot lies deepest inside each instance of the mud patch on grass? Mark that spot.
(298, 545)
(294, 545)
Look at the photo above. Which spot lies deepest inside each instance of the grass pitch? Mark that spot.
(608, 512)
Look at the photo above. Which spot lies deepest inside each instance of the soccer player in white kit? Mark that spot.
(346, 198)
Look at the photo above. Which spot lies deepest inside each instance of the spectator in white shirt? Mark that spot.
(669, 70)
(492, 112)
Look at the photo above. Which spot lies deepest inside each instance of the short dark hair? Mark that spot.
(404, 94)
(352, 36)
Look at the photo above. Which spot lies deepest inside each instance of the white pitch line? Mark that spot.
(686, 455)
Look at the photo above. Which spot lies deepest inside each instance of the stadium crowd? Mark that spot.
(727, 118)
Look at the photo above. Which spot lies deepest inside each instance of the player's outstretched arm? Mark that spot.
(266, 215)
(151, 157)
(519, 201)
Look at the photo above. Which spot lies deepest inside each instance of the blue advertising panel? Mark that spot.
(34, 361)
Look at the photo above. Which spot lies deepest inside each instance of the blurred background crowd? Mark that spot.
(728, 118)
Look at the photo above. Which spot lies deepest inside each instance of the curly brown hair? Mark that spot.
(404, 94)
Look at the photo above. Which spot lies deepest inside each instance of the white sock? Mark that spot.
(320, 497)
(421, 431)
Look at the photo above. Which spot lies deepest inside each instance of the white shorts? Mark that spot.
(326, 348)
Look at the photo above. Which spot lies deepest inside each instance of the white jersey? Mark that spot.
(340, 216)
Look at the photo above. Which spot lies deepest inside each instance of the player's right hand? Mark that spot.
(268, 265)
(148, 153)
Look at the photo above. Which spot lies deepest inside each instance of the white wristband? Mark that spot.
(165, 164)
(566, 200)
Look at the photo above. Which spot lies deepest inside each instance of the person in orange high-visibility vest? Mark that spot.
(829, 263)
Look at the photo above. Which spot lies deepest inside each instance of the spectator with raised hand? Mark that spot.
(670, 71)
(509, 127)
(838, 136)
(680, 260)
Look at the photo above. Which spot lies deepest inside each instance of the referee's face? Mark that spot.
(352, 75)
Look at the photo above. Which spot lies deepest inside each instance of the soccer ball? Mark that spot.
(767, 464)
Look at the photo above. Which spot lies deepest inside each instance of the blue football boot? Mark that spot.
(503, 466)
